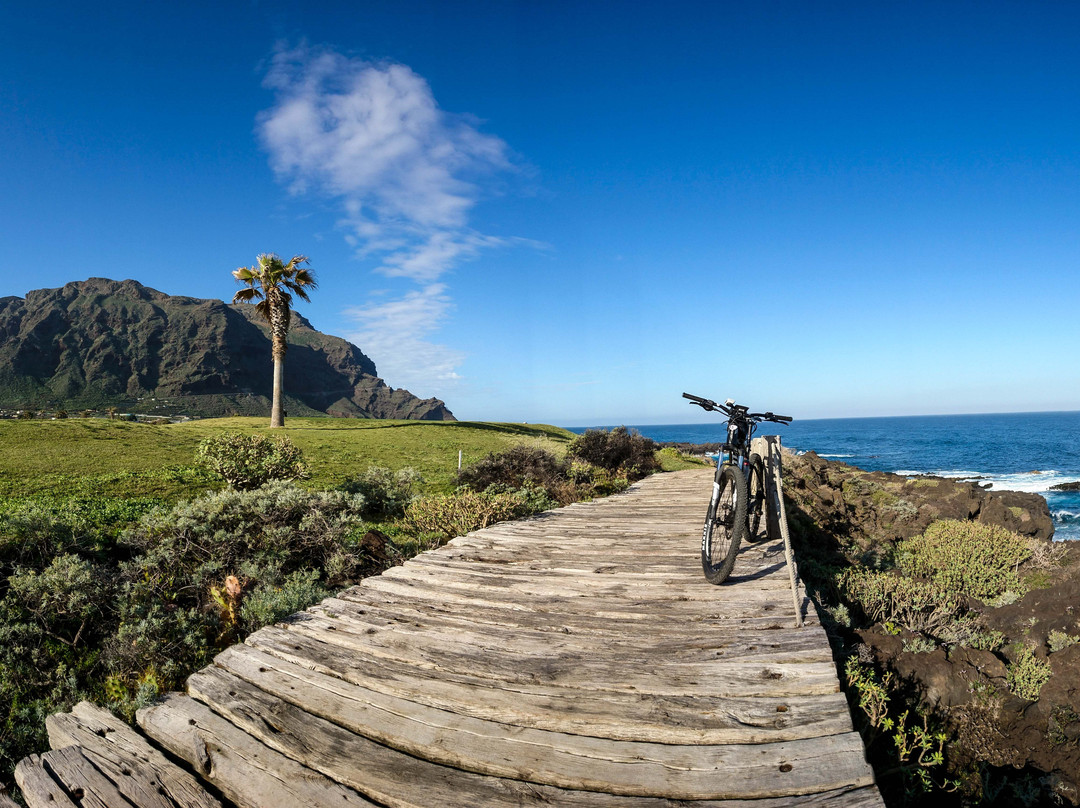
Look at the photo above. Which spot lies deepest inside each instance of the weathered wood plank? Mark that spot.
(141, 773)
(774, 646)
(572, 762)
(678, 605)
(582, 671)
(82, 780)
(37, 785)
(246, 771)
(700, 627)
(510, 614)
(632, 717)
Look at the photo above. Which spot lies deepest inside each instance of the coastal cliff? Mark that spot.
(100, 342)
(951, 611)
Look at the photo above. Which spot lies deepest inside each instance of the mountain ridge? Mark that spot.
(101, 342)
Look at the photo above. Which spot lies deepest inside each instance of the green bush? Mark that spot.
(248, 461)
(966, 557)
(32, 535)
(514, 468)
(917, 605)
(271, 601)
(63, 598)
(386, 493)
(464, 511)
(1059, 640)
(621, 450)
(178, 604)
(1027, 674)
(53, 620)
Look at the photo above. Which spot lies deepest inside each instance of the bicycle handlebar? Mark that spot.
(709, 405)
(768, 416)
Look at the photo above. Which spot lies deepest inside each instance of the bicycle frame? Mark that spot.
(736, 450)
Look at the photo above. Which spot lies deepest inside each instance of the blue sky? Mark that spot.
(572, 212)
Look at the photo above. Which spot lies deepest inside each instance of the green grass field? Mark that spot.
(96, 457)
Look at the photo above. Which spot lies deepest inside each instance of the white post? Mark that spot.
(459, 459)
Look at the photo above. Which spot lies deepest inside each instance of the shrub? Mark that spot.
(620, 450)
(62, 598)
(32, 535)
(271, 601)
(1059, 640)
(984, 640)
(966, 557)
(52, 622)
(1027, 674)
(466, 510)
(248, 461)
(918, 606)
(595, 481)
(386, 493)
(514, 468)
(176, 606)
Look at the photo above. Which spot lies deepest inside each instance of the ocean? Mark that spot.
(1015, 452)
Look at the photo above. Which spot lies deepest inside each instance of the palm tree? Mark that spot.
(270, 282)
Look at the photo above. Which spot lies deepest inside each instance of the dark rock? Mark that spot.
(101, 342)
(373, 545)
(1073, 486)
(843, 517)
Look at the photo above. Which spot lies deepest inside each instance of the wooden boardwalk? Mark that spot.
(575, 659)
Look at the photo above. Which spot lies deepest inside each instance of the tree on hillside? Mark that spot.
(270, 282)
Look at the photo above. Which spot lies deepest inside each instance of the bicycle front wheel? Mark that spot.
(725, 525)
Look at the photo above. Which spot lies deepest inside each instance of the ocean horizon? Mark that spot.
(1009, 451)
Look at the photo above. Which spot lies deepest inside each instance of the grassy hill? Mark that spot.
(121, 459)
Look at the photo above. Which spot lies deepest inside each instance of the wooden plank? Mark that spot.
(38, 787)
(246, 771)
(631, 648)
(89, 787)
(589, 672)
(141, 773)
(597, 586)
(510, 614)
(678, 605)
(631, 716)
(571, 762)
(701, 626)
(662, 633)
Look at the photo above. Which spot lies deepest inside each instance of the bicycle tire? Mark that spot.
(755, 499)
(725, 525)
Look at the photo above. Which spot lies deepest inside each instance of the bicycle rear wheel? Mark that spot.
(725, 525)
(755, 502)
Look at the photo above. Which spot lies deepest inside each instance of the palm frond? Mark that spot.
(247, 295)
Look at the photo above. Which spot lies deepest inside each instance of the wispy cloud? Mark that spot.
(399, 330)
(406, 173)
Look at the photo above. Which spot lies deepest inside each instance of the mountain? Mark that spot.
(100, 342)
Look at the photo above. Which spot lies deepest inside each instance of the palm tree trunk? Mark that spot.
(277, 414)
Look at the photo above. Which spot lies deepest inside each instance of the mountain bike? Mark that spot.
(738, 492)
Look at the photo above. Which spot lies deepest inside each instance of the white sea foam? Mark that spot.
(835, 455)
(1035, 482)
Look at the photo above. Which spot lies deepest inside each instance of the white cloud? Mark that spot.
(373, 135)
(395, 335)
(406, 175)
